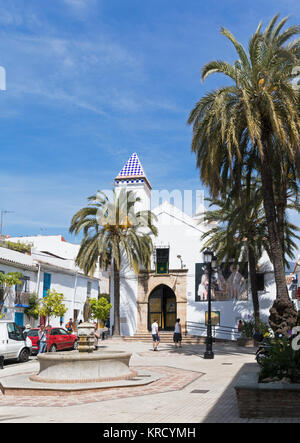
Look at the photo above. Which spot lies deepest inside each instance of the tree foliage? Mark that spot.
(100, 308)
(114, 232)
(254, 125)
(51, 306)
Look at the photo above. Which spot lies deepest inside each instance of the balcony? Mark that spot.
(22, 299)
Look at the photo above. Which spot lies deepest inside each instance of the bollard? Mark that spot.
(1, 361)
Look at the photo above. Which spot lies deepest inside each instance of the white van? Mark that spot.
(13, 344)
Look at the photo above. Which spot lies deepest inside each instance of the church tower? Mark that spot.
(132, 176)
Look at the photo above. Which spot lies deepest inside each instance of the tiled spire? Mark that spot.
(132, 169)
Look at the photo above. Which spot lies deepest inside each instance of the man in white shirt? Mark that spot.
(155, 335)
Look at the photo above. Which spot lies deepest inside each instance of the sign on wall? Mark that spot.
(228, 282)
(215, 318)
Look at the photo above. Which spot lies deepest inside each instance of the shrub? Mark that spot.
(249, 328)
(282, 361)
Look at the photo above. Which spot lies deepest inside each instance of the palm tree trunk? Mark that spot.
(281, 218)
(252, 270)
(283, 316)
(270, 211)
(116, 329)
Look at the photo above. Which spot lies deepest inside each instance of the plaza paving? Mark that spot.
(189, 390)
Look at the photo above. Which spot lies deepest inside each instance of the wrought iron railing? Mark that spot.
(218, 331)
(22, 298)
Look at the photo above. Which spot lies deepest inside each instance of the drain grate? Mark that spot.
(199, 391)
(226, 364)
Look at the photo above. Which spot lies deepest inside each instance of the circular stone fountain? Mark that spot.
(78, 371)
(84, 366)
(74, 367)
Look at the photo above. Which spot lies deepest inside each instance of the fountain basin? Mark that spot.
(76, 367)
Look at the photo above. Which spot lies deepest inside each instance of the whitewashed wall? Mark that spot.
(63, 279)
(9, 305)
(183, 235)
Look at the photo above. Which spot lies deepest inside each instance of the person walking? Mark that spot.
(69, 325)
(42, 334)
(155, 335)
(177, 338)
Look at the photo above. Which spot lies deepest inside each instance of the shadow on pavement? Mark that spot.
(199, 350)
(226, 408)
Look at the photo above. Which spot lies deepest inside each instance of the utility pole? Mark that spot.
(2, 217)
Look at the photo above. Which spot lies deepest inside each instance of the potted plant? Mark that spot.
(247, 331)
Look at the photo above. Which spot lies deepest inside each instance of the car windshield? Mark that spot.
(32, 333)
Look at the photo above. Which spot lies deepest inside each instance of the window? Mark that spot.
(162, 260)
(260, 282)
(47, 283)
(33, 333)
(89, 288)
(24, 285)
(14, 332)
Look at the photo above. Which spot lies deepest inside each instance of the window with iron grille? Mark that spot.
(89, 288)
(23, 286)
(162, 260)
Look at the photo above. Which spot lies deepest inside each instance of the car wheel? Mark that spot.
(75, 345)
(53, 348)
(24, 355)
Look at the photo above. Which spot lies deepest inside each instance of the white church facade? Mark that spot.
(176, 286)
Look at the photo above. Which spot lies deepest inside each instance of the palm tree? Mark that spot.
(114, 233)
(256, 117)
(240, 232)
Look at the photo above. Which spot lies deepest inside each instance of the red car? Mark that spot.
(58, 339)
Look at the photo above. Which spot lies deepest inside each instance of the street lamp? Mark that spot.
(181, 262)
(210, 261)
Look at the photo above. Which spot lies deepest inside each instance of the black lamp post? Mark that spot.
(210, 261)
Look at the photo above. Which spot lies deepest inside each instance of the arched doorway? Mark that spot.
(162, 307)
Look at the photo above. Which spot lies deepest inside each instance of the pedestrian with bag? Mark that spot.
(42, 341)
(69, 325)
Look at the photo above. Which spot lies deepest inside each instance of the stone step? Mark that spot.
(165, 337)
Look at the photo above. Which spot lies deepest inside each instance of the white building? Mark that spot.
(50, 266)
(175, 289)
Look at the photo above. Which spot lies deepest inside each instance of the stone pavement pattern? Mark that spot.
(191, 390)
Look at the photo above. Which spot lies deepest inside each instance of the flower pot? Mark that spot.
(245, 341)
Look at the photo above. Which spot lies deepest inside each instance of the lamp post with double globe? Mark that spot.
(210, 261)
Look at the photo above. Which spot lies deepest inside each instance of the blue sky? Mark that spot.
(89, 82)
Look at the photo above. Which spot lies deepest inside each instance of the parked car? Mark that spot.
(58, 339)
(13, 343)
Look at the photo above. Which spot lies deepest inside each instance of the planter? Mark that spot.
(247, 342)
(261, 400)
